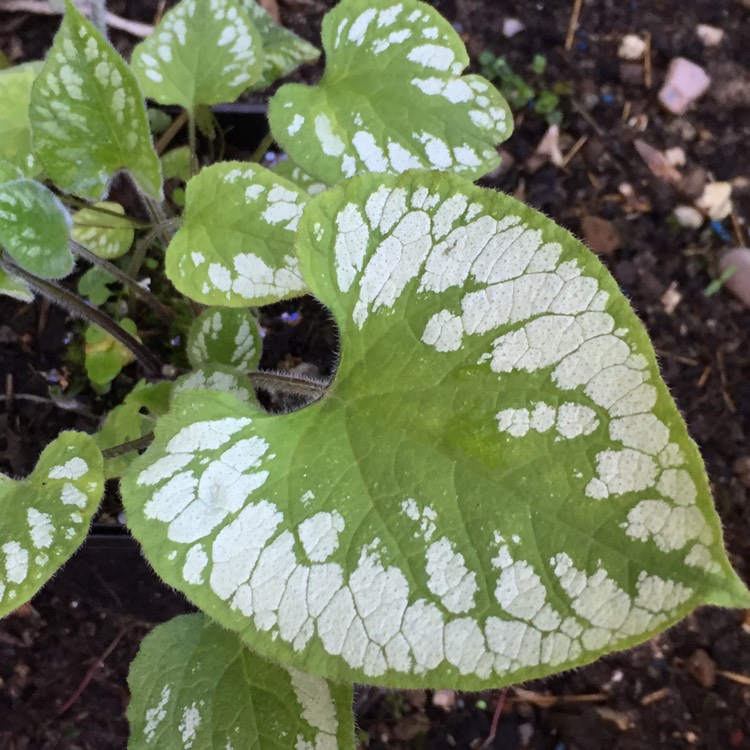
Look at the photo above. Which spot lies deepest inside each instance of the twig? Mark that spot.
(573, 25)
(495, 719)
(648, 76)
(739, 236)
(92, 669)
(76, 306)
(70, 406)
(43, 8)
(724, 387)
(577, 146)
(545, 701)
(734, 676)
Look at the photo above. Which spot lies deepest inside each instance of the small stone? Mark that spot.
(689, 217)
(632, 47)
(671, 298)
(739, 282)
(685, 82)
(445, 699)
(511, 27)
(716, 200)
(675, 156)
(711, 36)
(547, 150)
(702, 668)
(600, 235)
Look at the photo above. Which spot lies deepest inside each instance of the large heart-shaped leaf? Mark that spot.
(194, 685)
(15, 131)
(200, 53)
(392, 98)
(283, 50)
(45, 517)
(87, 114)
(236, 244)
(35, 228)
(497, 485)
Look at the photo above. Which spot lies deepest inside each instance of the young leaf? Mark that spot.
(496, 487)
(225, 336)
(194, 685)
(15, 287)
(105, 356)
(235, 247)
(45, 517)
(290, 171)
(15, 132)
(101, 232)
(283, 50)
(87, 114)
(392, 98)
(93, 285)
(35, 228)
(200, 53)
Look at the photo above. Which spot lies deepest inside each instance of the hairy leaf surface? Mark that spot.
(102, 231)
(236, 244)
(201, 52)
(497, 485)
(195, 685)
(35, 228)
(45, 517)
(283, 50)
(225, 336)
(392, 98)
(87, 114)
(15, 131)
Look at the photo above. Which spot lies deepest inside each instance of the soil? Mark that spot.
(689, 687)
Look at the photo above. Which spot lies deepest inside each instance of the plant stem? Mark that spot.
(171, 131)
(76, 306)
(132, 445)
(164, 312)
(143, 244)
(192, 141)
(284, 383)
(262, 149)
(98, 15)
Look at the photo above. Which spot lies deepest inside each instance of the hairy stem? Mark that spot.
(98, 16)
(284, 383)
(132, 445)
(145, 242)
(164, 312)
(192, 141)
(76, 306)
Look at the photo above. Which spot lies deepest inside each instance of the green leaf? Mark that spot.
(101, 232)
(45, 517)
(87, 114)
(225, 336)
(35, 228)
(93, 285)
(132, 419)
(199, 53)
(392, 98)
(290, 171)
(11, 286)
(15, 131)
(283, 50)
(176, 163)
(9, 172)
(235, 247)
(105, 356)
(194, 685)
(497, 485)
(218, 378)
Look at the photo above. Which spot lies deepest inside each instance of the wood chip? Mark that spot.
(600, 235)
(702, 668)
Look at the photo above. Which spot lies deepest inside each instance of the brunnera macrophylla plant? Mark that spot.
(494, 486)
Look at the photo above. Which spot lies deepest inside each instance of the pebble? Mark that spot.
(739, 282)
(632, 47)
(711, 36)
(685, 82)
(716, 200)
(600, 235)
(688, 217)
(702, 668)
(511, 27)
